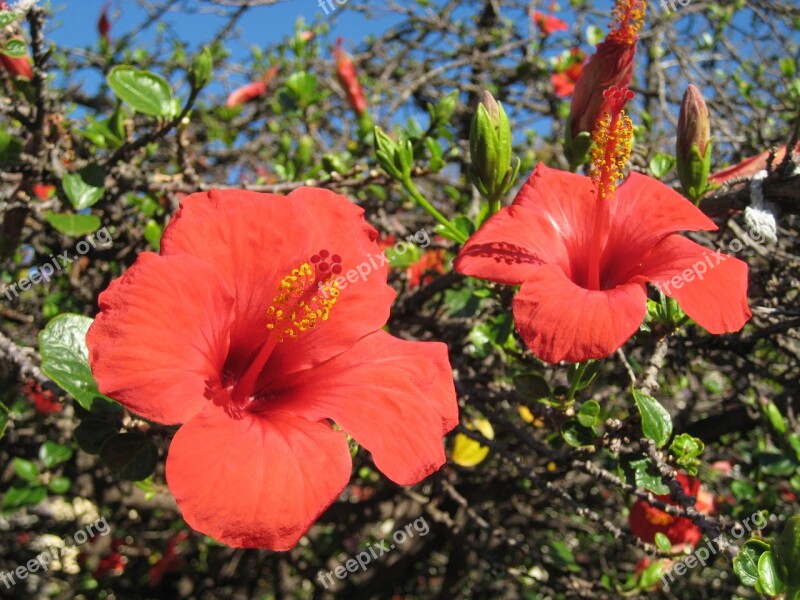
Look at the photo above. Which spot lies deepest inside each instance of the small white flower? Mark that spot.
(23, 6)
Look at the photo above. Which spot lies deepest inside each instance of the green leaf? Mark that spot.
(130, 456)
(643, 474)
(60, 485)
(661, 164)
(91, 434)
(65, 358)
(15, 48)
(143, 91)
(8, 16)
(589, 414)
(73, 225)
(24, 496)
(3, 419)
(26, 469)
(531, 387)
(745, 563)
(787, 551)
(84, 188)
(656, 422)
(662, 542)
(686, 449)
(52, 454)
(152, 233)
(768, 575)
(576, 435)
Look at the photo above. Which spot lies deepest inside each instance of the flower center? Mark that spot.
(613, 139)
(658, 517)
(628, 20)
(303, 300)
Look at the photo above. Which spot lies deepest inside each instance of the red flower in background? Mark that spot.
(20, 66)
(645, 520)
(44, 401)
(548, 24)
(43, 192)
(431, 261)
(750, 166)
(247, 334)
(567, 74)
(610, 66)
(346, 74)
(170, 561)
(251, 91)
(583, 251)
(104, 24)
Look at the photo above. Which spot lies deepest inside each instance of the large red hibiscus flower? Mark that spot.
(583, 250)
(256, 331)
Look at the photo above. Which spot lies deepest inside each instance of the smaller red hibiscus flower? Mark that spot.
(104, 24)
(645, 520)
(346, 74)
(548, 24)
(43, 192)
(583, 252)
(44, 401)
(252, 91)
(568, 72)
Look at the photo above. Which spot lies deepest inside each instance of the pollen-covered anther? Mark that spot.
(628, 20)
(303, 301)
(613, 141)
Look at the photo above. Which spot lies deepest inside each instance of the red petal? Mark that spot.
(254, 240)
(548, 223)
(643, 213)
(161, 337)
(246, 93)
(255, 481)
(709, 286)
(561, 321)
(396, 398)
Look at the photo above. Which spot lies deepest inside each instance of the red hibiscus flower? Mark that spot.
(104, 24)
(583, 251)
(567, 74)
(548, 24)
(750, 166)
(44, 401)
(252, 91)
(20, 66)
(244, 330)
(645, 520)
(43, 192)
(170, 561)
(346, 74)
(611, 65)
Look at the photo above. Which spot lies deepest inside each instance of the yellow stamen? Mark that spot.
(613, 141)
(657, 517)
(628, 20)
(302, 303)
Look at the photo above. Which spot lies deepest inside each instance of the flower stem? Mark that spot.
(455, 233)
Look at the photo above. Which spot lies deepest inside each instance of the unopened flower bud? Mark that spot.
(693, 146)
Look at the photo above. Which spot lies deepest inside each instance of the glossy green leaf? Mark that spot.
(59, 485)
(656, 422)
(26, 469)
(16, 497)
(84, 188)
(768, 576)
(15, 48)
(143, 91)
(589, 414)
(53, 454)
(73, 225)
(8, 16)
(745, 563)
(65, 358)
(91, 434)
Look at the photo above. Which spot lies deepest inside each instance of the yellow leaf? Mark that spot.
(468, 452)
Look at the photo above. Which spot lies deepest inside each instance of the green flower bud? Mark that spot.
(491, 168)
(202, 69)
(693, 146)
(396, 159)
